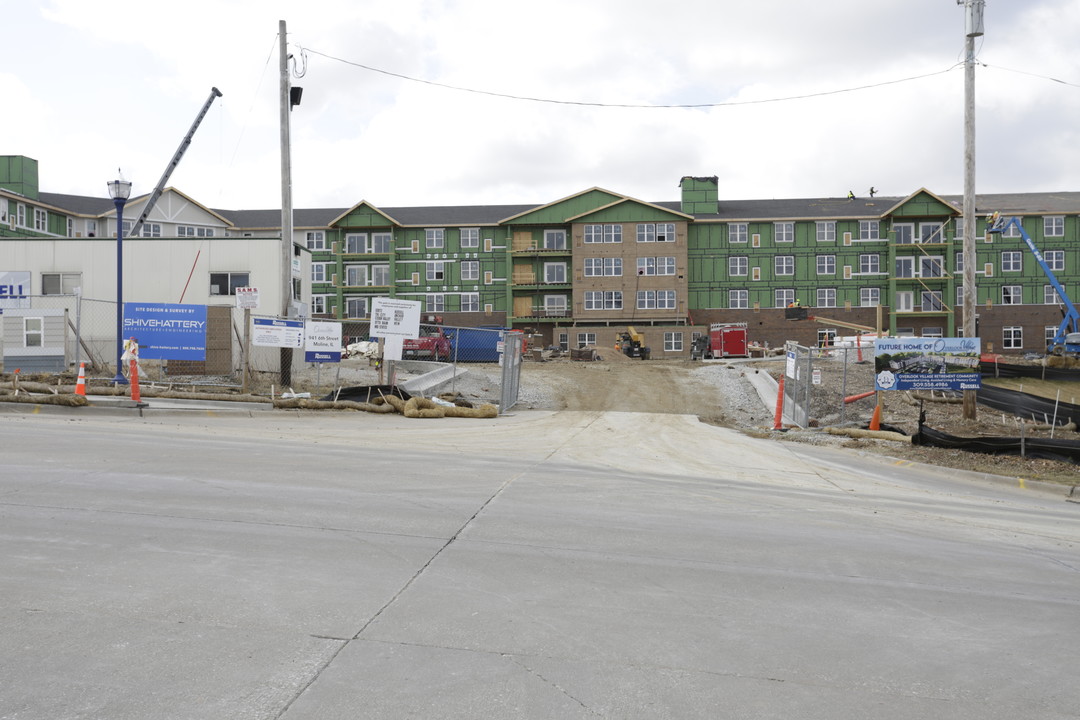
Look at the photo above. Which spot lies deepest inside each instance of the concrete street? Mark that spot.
(198, 564)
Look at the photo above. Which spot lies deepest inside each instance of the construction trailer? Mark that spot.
(727, 340)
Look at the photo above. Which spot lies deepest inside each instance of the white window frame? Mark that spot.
(245, 277)
(1050, 295)
(1054, 226)
(870, 264)
(673, 341)
(470, 270)
(470, 302)
(784, 232)
(826, 230)
(555, 273)
(319, 272)
(739, 299)
(1012, 337)
(41, 220)
(782, 297)
(435, 302)
(783, 265)
(904, 266)
(1012, 294)
(931, 301)
(905, 301)
(737, 232)
(826, 297)
(357, 275)
(470, 237)
(931, 266)
(356, 307)
(1012, 261)
(603, 300)
(869, 230)
(585, 339)
(932, 233)
(434, 238)
(555, 305)
(319, 304)
(315, 240)
(738, 265)
(826, 264)
(435, 271)
(905, 233)
(869, 297)
(555, 239)
(66, 282)
(1055, 260)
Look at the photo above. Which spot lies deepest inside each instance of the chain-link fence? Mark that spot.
(828, 385)
(480, 364)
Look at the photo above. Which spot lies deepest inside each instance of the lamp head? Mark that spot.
(119, 189)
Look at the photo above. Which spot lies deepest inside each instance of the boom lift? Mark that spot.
(160, 187)
(1067, 339)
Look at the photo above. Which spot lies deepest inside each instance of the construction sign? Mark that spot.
(927, 364)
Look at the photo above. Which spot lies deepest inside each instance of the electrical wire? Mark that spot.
(552, 101)
(1030, 74)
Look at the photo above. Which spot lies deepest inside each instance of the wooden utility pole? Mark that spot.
(973, 25)
(286, 199)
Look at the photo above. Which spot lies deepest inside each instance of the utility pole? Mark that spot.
(973, 25)
(286, 200)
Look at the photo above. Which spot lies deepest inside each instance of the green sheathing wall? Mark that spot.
(557, 214)
(922, 208)
(710, 250)
(19, 174)
(699, 196)
(1031, 277)
(630, 212)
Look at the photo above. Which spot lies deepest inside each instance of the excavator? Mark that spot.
(633, 344)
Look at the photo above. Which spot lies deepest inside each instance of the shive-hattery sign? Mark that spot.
(167, 332)
(927, 364)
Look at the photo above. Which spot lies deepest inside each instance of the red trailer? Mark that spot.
(727, 340)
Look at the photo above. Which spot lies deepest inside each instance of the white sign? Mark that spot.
(247, 298)
(395, 317)
(322, 341)
(271, 332)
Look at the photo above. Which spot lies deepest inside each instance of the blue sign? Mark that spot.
(927, 364)
(167, 332)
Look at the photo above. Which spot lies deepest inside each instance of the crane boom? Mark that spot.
(160, 187)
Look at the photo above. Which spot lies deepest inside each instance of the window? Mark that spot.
(196, 231)
(555, 305)
(869, 230)
(1011, 261)
(1012, 295)
(905, 302)
(603, 233)
(470, 302)
(554, 239)
(660, 232)
(356, 307)
(1011, 231)
(20, 215)
(931, 266)
(355, 243)
(931, 301)
(363, 244)
(958, 262)
(783, 297)
(656, 300)
(91, 228)
(736, 232)
(905, 267)
(60, 283)
(905, 233)
(41, 220)
(150, 230)
(598, 267)
(646, 232)
(738, 299)
(435, 302)
(826, 297)
(470, 270)
(869, 263)
(1055, 260)
(586, 339)
(826, 264)
(436, 271)
(930, 232)
(869, 297)
(1049, 333)
(380, 242)
(554, 272)
(320, 272)
(826, 231)
(1054, 226)
(665, 266)
(434, 238)
(673, 342)
(784, 232)
(33, 332)
(603, 300)
(380, 275)
(932, 332)
(314, 239)
(1050, 295)
(470, 237)
(356, 275)
(738, 266)
(826, 337)
(225, 283)
(784, 264)
(1012, 337)
(319, 304)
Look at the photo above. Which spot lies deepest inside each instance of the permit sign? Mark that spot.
(271, 332)
(167, 331)
(247, 298)
(322, 342)
(395, 317)
(927, 364)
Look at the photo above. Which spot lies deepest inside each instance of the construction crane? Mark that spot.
(160, 187)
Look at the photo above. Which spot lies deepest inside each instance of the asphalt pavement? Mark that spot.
(538, 565)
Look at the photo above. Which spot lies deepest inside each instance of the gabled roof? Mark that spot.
(921, 191)
(537, 208)
(629, 201)
(357, 206)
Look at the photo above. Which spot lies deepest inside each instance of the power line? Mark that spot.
(551, 101)
(1030, 74)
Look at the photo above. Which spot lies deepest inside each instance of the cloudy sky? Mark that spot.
(421, 102)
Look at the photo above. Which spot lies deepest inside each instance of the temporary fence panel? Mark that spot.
(827, 385)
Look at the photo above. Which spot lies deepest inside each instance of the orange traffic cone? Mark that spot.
(875, 419)
(80, 386)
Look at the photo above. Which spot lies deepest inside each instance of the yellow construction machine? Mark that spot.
(633, 344)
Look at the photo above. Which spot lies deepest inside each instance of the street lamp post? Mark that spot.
(119, 191)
